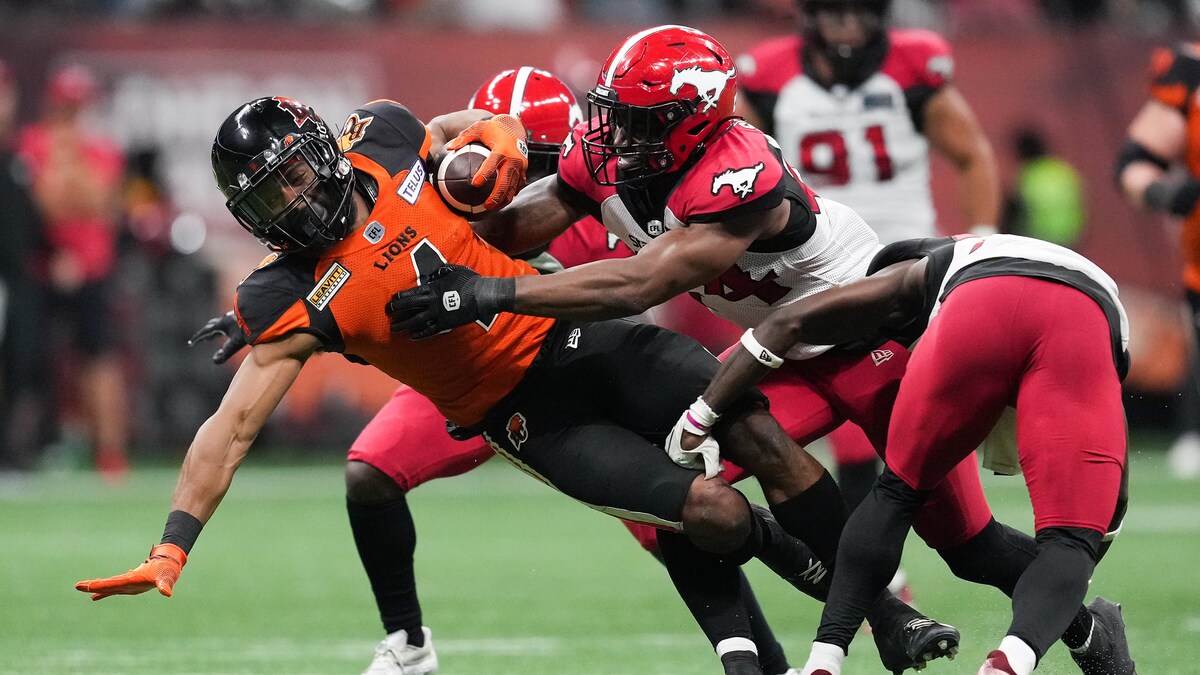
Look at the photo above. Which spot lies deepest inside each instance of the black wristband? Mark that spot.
(495, 294)
(182, 530)
(1172, 195)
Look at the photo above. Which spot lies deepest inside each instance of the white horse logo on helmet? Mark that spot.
(708, 83)
(740, 181)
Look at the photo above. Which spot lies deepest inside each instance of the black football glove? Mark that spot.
(226, 325)
(449, 297)
(1173, 195)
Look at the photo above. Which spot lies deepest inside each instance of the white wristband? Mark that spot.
(760, 352)
(700, 417)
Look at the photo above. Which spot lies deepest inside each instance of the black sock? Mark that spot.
(709, 586)
(741, 663)
(1080, 629)
(1047, 598)
(855, 481)
(783, 554)
(869, 556)
(815, 517)
(386, 539)
(770, 652)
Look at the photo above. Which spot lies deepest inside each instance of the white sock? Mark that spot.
(1020, 655)
(735, 644)
(824, 656)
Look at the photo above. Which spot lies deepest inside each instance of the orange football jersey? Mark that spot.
(1175, 80)
(340, 296)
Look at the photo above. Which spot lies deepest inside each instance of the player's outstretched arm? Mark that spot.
(218, 449)
(954, 132)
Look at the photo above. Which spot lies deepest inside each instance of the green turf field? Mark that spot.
(514, 578)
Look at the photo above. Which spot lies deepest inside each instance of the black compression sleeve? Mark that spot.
(1132, 152)
(495, 294)
(182, 530)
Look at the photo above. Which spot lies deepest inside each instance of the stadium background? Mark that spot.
(169, 77)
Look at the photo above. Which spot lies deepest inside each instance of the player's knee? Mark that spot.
(367, 485)
(1070, 540)
(716, 517)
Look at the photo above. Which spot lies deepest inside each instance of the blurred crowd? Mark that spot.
(89, 268)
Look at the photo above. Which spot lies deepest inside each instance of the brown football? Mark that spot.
(452, 178)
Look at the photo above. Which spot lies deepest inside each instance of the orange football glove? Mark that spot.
(161, 570)
(504, 135)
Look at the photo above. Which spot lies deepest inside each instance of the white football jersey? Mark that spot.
(859, 146)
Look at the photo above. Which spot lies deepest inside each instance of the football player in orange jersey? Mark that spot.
(351, 220)
(1165, 134)
(406, 443)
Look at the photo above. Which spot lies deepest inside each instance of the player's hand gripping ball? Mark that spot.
(452, 178)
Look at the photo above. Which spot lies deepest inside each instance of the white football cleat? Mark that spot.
(394, 656)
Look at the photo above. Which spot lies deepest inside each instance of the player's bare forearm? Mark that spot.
(445, 127)
(606, 289)
(955, 133)
(979, 188)
(222, 442)
(536, 215)
(672, 263)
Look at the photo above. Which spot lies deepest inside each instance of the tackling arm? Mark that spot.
(672, 263)
(954, 132)
(840, 314)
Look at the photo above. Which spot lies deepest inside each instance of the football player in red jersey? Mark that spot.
(406, 443)
(354, 217)
(856, 107)
(1004, 320)
(711, 208)
(1165, 134)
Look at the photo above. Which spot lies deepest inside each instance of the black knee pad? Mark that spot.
(367, 485)
(1072, 538)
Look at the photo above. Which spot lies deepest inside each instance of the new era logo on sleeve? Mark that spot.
(881, 355)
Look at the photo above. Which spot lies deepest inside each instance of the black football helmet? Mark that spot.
(283, 176)
(852, 65)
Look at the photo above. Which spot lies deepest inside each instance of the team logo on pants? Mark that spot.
(518, 432)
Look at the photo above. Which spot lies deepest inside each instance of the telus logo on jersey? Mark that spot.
(397, 246)
(709, 84)
(410, 189)
(740, 181)
(335, 277)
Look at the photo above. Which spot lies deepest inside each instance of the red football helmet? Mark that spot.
(545, 105)
(660, 95)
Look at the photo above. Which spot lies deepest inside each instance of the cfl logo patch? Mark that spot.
(451, 301)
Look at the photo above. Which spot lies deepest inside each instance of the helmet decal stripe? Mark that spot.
(629, 44)
(518, 95)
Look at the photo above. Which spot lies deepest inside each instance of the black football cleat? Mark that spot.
(1108, 651)
(915, 643)
(741, 663)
